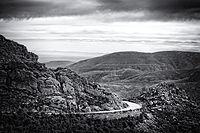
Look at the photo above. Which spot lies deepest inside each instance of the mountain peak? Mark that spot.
(11, 50)
(2, 37)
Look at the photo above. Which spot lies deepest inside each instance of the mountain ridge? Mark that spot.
(164, 60)
(126, 73)
(46, 90)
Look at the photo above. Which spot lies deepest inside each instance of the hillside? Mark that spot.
(168, 60)
(56, 64)
(168, 109)
(26, 84)
(126, 73)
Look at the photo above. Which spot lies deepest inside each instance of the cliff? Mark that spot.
(29, 85)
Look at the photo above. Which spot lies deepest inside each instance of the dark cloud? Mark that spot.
(160, 5)
(156, 9)
(21, 8)
(38, 8)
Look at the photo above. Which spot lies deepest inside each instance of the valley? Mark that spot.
(119, 92)
(128, 73)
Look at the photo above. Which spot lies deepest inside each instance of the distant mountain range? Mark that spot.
(56, 64)
(169, 60)
(128, 72)
(74, 56)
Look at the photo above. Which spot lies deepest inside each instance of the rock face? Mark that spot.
(26, 83)
(169, 109)
(160, 96)
(12, 51)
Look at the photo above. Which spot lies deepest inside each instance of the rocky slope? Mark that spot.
(167, 108)
(27, 84)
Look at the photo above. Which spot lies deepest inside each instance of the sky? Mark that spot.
(80, 29)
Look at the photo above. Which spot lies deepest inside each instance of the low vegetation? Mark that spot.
(37, 99)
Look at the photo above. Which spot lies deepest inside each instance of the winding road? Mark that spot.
(131, 106)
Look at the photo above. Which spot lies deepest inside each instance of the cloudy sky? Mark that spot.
(78, 29)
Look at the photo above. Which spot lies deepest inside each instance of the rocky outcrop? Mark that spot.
(163, 95)
(167, 108)
(12, 51)
(51, 91)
